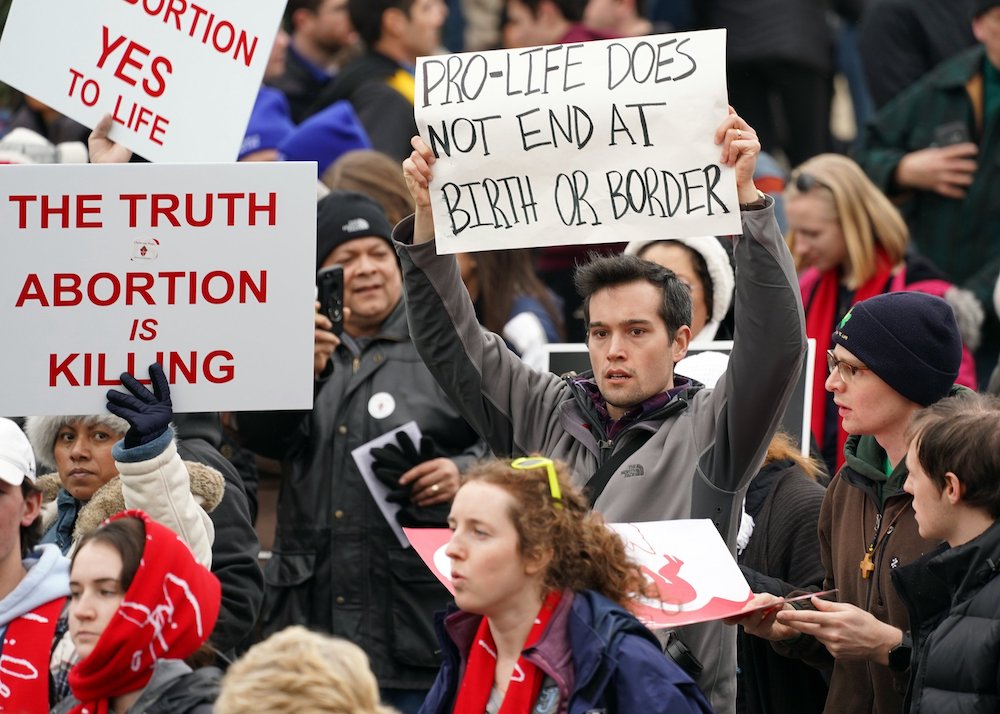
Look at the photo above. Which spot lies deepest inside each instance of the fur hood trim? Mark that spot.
(42, 431)
(207, 485)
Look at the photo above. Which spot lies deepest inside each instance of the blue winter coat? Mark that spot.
(616, 664)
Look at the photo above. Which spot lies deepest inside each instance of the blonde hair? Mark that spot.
(783, 448)
(867, 218)
(296, 670)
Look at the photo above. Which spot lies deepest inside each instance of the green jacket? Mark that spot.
(962, 237)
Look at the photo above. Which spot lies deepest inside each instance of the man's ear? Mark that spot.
(394, 21)
(32, 507)
(954, 489)
(682, 339)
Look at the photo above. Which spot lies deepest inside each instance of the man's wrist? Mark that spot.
(752, 201)
(898, 656)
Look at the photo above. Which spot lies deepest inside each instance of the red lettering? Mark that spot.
(128, 60)
(159, 67)
(108, 47)
(83, 210)
(66, 290)
(133, 199)
(22, 209)
(62, 369)
(32, 290)
(164, 204)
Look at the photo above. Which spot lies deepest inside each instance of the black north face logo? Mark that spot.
(633, 470)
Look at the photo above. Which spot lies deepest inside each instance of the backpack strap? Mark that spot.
(597, 483)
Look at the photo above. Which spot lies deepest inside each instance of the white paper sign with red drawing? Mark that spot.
(696, 576)
(208, 270)
(578, 143)
(178, 77)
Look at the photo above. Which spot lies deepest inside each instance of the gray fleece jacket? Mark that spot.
(702, 454)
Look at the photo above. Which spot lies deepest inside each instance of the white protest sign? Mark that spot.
(695, 574)
(179, 77)
(580, 143)
(208, 269)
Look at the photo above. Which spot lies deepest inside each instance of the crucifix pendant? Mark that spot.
(867, 566)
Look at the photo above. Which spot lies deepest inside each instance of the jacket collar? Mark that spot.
(966, 568)
(955, 73)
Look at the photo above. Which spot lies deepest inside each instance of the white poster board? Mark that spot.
(579, 143)
(694, 573)
(208, 269)
(179, 77)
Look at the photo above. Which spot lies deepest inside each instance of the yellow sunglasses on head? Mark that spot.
(530, 463)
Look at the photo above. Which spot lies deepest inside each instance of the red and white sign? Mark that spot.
(179, 77)
(696, 576)
(209, 270)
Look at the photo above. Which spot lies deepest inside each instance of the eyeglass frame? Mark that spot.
(832, 363)
(532, 463)
(805, 182)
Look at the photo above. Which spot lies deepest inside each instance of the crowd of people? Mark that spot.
(129, 559)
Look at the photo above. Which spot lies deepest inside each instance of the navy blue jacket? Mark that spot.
(617, 665)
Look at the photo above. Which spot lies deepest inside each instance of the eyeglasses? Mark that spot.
(530, 463)
(847, 370)
(806, 182)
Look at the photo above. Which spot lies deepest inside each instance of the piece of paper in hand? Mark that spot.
(364, 460)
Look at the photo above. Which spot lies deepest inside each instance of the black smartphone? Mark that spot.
(955, 132)
(330, 293)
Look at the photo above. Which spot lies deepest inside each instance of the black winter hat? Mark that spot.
(909, 339)
(984, 5)
(344, 215)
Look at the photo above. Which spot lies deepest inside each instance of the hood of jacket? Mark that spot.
(47, 579)
(207, 485)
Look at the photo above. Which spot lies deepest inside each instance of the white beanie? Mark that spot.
(720, 269)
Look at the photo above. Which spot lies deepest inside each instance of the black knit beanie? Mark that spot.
(909, 339)
(345, 215)
(984, 5)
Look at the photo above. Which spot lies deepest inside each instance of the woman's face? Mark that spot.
(83, 458)
(819, 240)
(95, 588)
(488, 572)
(676, 257)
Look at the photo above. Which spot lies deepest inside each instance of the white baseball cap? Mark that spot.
(17, 460)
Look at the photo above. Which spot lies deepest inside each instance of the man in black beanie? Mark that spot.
(892, 355)
(337, 566)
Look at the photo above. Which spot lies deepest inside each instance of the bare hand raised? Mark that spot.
(740, 147)
(102, 149)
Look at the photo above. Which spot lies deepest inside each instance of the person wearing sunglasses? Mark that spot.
(850, 243)
(647, 444)
(892, 355)
(541, 621)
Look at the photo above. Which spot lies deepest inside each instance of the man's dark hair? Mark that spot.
(30, 534)
(366, 17)
(572, 10)
(959, 434)
(605, 271)
(295, 5)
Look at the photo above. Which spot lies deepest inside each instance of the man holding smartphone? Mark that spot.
(337, 566)
(934, 148)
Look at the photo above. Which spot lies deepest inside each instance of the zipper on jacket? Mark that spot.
(607, 447)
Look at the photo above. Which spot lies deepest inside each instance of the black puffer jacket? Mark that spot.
(337, 566)
(953, 598)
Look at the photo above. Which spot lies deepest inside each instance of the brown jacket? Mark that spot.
(860, 503)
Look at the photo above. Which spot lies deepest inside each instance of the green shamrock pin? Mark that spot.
(845, 319)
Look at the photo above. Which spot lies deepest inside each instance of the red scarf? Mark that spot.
(821, 319)
(526, 679)
(24, 677)
(167, 612)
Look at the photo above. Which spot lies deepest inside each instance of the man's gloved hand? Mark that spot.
(391, 462)
(148, 413)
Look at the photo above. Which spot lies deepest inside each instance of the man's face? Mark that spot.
(934, 514)
(631, 352)
(331, 27)
(15, 511)
(986, 28)
(373, 285)
(523, 28)
(602, 14)
(865, 403)
(422, 32)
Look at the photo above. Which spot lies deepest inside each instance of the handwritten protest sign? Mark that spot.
(179, 77)
(696, 576)
(209, 270)
(578, 143)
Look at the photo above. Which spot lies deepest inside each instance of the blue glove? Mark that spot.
(148, 413)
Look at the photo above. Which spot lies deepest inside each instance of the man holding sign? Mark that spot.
(661, 447)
